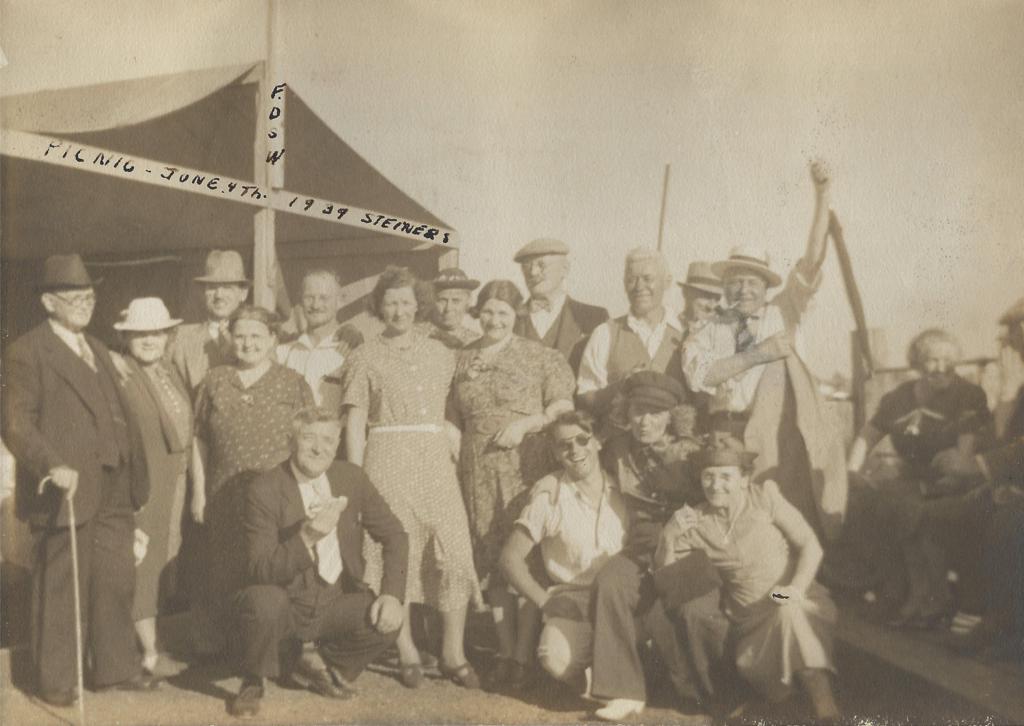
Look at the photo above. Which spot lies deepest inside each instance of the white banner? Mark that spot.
(25, 145)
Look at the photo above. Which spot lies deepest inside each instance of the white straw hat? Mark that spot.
(146, 314)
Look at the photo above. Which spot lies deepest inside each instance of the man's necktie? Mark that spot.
(538, 304)
(744, 338)
(224, 341)
(85, 352)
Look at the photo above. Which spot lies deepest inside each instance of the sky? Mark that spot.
(512, 121)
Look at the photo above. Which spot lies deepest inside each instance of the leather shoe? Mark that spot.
(247, 703)
(59, 699)
(320, 683)
(139, 682)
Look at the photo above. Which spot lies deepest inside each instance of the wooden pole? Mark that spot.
(264, 243)
(664, 203)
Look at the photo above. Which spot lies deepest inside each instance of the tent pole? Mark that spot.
(264, 242)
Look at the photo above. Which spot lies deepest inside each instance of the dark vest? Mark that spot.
(112, 428)
(627, 352)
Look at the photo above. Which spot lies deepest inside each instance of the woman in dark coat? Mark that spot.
(160, 402)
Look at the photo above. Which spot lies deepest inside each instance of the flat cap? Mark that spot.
(1013, 314)
(454, 278)
(543, 246)
(655, 389)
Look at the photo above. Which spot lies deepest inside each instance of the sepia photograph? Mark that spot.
(535, 362)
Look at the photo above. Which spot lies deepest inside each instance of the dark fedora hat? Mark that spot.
(62, 272)
(452, 278)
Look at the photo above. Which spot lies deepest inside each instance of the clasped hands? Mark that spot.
(322, 519)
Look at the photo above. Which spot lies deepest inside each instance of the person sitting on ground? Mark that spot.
(304, 522)
(651, 464)
(767, 556)
(934, 422)
(578, 519)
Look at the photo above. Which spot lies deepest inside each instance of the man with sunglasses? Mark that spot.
(67, 424)
(578, 519)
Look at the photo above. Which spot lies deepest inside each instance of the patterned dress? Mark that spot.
(522, 381)
(772, 642)
(403, 386)
(246, 431)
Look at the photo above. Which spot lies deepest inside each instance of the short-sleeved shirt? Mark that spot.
(247, 429)
(919, 432)
(575, 537)
(399, 381)
(716, 340)
(320, 364)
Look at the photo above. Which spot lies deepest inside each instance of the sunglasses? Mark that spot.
(566, 445)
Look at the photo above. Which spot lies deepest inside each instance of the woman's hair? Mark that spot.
(392, 278)
(504, 290)
(255, 312)
(572, 418)
(924, 340)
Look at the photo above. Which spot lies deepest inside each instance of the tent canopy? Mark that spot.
(205, 120)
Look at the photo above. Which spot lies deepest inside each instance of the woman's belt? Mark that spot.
(406, 428)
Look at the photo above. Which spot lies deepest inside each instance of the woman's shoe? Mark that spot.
(411, 674)
(619, 709)
(462, 675)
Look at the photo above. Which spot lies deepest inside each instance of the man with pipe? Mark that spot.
(67, 424)
(747, 360)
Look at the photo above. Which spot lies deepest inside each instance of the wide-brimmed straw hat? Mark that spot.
(224, 266)
(700, 277)
(65, 272)
(146, 315)
(750, 259)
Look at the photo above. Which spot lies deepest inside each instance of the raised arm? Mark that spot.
(865, 442)
(809, 265)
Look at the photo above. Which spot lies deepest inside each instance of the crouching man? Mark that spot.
(578, 519)
(304, 523)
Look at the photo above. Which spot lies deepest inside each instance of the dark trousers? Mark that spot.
(106, 569)
(269, 617)
(1004, 567)
(628, 612)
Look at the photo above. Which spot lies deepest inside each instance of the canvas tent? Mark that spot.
(144, 238)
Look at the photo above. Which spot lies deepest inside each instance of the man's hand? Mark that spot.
(198, 509)
(560, 606)
(952, 463)
(821, 175)
(62, 477)
(779, 346)
(1011, 373)
(386, 614)
(140, 546)
(323, 520)
(348, 339)
(513, 434)
(684, 519)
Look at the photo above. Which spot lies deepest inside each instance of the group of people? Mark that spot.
(600, 484)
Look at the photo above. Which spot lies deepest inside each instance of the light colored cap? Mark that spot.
(144, 315)
(748, 258)
(543, 246)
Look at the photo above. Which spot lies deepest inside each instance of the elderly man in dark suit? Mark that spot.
(550, 315)
(66, 422)
(304, 523)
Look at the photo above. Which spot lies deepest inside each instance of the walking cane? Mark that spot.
(78, 603)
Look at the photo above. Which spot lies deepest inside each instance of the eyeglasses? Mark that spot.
(567, 445)
(78, 301)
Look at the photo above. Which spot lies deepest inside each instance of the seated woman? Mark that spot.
(578, 519)
(767, 556)
(935, 423)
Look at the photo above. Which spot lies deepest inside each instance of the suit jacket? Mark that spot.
(55, 413)
(1005, 462)
(569, 332)
(276, 554)
(194, 352)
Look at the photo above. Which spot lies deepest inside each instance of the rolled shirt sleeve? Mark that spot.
(593, 375)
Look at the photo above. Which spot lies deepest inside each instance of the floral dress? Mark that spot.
(522, 381)
(403, 386)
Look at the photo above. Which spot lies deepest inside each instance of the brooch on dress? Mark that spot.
(476, 367)
(247, 399)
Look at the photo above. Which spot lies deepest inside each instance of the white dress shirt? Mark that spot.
(575, 537)
(593, 375)
(543, 319)
(326, 553)
(717, 340)
(316, 363)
